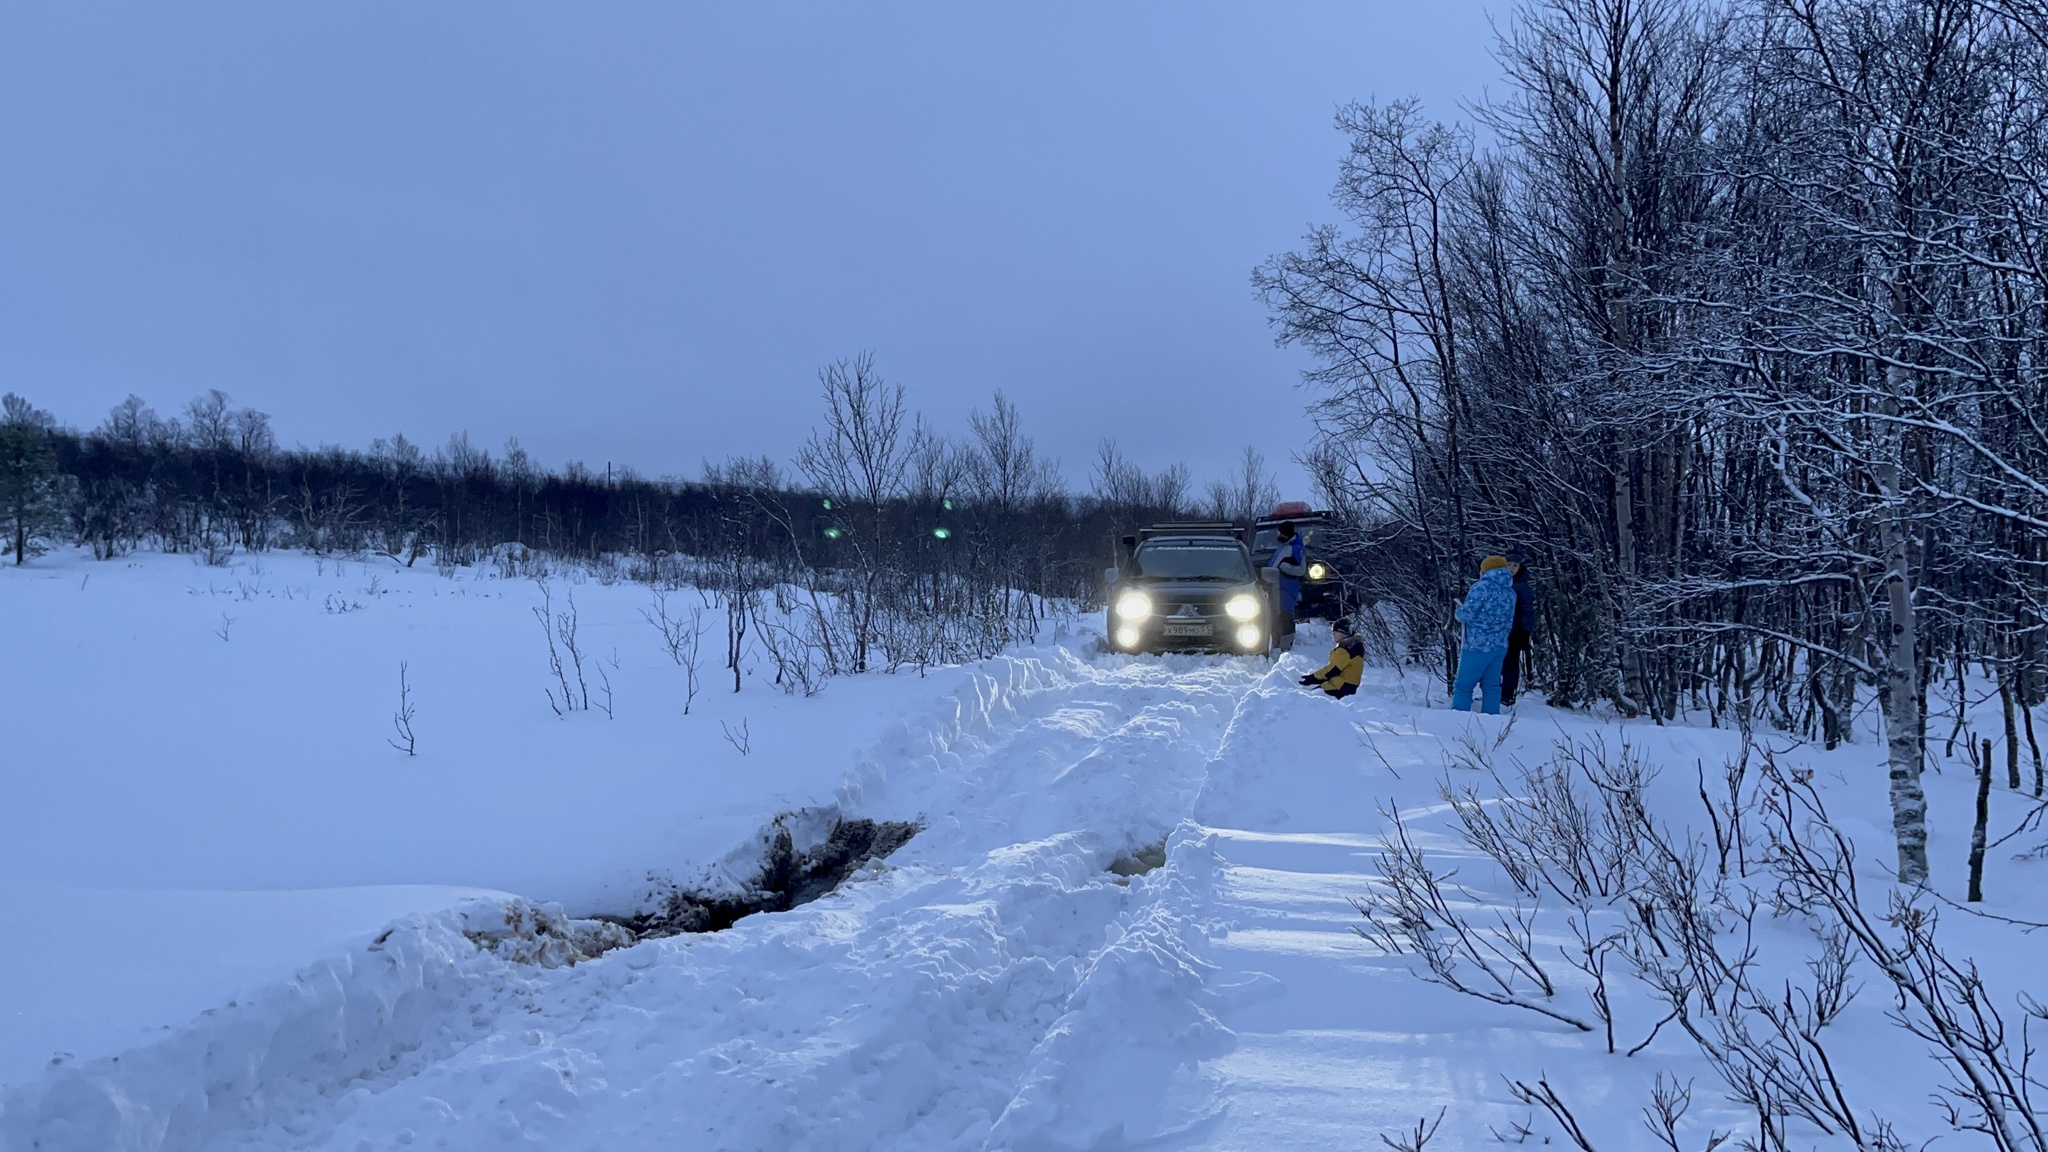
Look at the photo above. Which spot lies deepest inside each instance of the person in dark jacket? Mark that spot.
(1519, 632)
(1340, 676)
(1291, 559)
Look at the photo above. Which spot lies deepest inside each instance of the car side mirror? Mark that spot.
(1109, 575)
(1269, 575)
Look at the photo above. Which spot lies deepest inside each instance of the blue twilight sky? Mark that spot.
(634, 231)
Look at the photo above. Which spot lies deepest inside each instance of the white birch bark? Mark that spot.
(1902, 667)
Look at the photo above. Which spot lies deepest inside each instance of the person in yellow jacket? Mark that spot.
(1339, 678)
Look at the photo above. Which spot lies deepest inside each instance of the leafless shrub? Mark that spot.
(800, 661)
(741, 740)
(739, 609)
(1669, 1101)
(604, 683)
(1416, 1140)
(1491, 837)
(216, 550)
(1409, 914)
(1570, 823)
(682, 637)
(402, 719)
(562, 627)
(1590, 958)
(1941, 999)
(1727, 817)
(1365, 738)
(1577, 829)
(1692, 941)
(1542, 1095)
(1518, 1132)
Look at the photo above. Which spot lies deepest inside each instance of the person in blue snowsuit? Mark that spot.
(1291, 558)
(1488, 614)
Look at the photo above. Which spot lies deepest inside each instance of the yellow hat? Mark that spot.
(1492, 562)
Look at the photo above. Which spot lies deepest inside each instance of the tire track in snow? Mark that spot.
(936, 1004)
(1117, 1070)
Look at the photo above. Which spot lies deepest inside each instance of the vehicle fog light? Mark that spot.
(1127, 637)
(1248, 636)
(1133, 606)
(1242, 607)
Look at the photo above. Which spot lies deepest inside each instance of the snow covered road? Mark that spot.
(993, 985)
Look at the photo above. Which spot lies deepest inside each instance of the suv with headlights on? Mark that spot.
(1190, 588)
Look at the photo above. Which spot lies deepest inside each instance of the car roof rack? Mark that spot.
(1193, 528)
(1302, 518)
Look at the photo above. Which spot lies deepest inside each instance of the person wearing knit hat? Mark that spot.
(1340, 677)
(1487, 614)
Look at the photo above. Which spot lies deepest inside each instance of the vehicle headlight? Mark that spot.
(1242, 607)
(1318, 571)
(1133, 606)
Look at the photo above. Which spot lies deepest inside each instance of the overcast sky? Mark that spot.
(633, 232)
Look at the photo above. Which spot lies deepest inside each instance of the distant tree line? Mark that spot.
(1738, 325)
(910, 545)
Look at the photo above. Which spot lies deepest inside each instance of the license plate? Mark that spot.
(1189, 630)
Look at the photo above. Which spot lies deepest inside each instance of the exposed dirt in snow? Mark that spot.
(789, 878)
(1138, 863)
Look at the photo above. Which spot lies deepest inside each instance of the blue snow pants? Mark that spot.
(1482, 669)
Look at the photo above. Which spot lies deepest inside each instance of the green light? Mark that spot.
(828, 505)
(942, 533)
(947, 504)
(832, 533)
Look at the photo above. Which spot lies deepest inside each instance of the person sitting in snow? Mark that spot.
(1339, 678)
(1487, 614)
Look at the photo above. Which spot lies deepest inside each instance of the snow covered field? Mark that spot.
(240, 913)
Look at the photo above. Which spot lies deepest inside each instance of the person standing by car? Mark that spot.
(1524, 625)
(1488, 614)
(1339, 678)
(1290, 557)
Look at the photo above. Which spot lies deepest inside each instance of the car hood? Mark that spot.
(1191, 589)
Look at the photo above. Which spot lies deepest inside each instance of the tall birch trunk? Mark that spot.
(1902, 666)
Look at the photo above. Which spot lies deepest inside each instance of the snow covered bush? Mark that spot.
(1750, 941)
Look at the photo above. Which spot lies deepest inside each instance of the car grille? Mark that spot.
(1206, 608)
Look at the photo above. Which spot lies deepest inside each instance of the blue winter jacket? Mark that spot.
(1488, 612)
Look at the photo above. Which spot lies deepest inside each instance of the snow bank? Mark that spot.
(291, 1048)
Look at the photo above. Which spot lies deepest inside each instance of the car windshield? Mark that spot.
(1190, 562)
(1268, 539)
